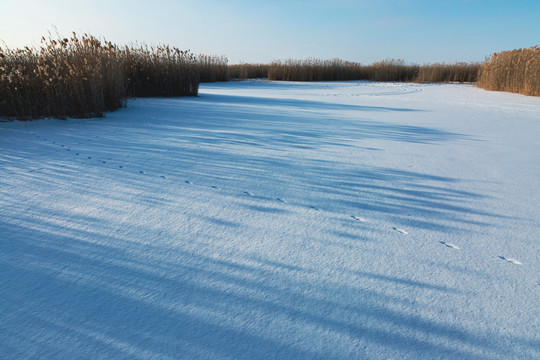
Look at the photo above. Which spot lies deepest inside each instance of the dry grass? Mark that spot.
(458, 72)
(161, 71)
(85, 76)
(386, 70)
(391, 70)
(315, 70)
(248, 71)
(515, 71)
(78, 77)
(212, 68)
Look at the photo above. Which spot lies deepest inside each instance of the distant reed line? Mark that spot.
(386, 70)
(83, 76)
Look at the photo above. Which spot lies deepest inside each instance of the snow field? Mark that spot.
(276, 220)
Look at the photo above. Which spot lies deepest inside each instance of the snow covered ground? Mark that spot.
(276, 220)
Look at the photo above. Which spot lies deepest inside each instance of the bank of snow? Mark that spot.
(276, 220)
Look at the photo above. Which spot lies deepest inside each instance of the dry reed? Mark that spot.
(315, 70)
(515, 71)
(78, 77)
(212, 68)
(247, 71)
(161, 71)
(438, 73)
(85, 76)
(386, 70)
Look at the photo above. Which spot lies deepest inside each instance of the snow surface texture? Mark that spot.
(276, 220)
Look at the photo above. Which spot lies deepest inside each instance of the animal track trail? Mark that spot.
(401, 231)
(511, 260)
(450, 245)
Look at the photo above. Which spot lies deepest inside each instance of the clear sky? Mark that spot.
(417, 31)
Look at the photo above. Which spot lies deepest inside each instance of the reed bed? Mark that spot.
(247, 71)
(212, 68)
(77, 77)
(391, 70)
(515, 71)
(160, 71)
(386, 70)
(83, 76)
(441, 72)
(313, 69)
(339, 70)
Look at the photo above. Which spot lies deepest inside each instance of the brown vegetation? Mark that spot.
(248, 71)
(212, 68)
(85, 76)
(386, 70)
(64, 77)
(315, 70)
(159, 71)
(391, 70)
(514, 71)
(458, 72)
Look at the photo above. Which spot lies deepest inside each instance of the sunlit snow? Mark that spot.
(278, 220)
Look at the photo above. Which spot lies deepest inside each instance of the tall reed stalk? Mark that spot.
(77, 77)
(83, 76)
(515, 71)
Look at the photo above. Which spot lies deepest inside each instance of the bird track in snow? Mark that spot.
(450, 245)
(400, 231)
(511, 260)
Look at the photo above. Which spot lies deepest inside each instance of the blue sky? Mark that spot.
(259, 31)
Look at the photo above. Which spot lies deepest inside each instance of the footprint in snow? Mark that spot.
(400, 230)
(359, 218)
(511, 260)
(280, 200)
(450, 245)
